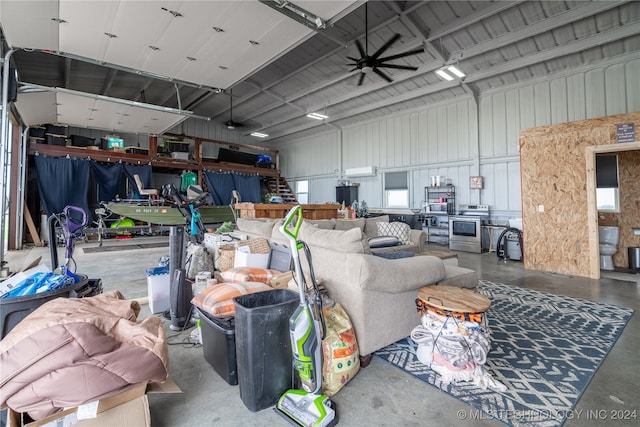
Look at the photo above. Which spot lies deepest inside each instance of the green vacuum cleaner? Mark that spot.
(306, 407)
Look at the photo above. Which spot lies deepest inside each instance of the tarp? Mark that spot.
(62, 181)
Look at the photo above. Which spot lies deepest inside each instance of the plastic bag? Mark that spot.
(340, 351)
(198, 260)
(41, 282)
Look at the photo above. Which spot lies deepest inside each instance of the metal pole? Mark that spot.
(21, 184)
(4, 155)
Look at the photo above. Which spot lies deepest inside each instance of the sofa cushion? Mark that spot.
(325, 224)
(345, 241)
(248, 274)
(398, 229)
(263, 227)
(371, 225)
(217, 300)
(395, 255)
(347, 224)
(383, 241)
(393, 275)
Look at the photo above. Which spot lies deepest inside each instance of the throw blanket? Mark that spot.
(71, 351)
(454, 348)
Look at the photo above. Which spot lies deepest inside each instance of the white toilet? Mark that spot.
(608, 238)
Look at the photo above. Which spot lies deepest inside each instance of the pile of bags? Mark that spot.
(456, 348)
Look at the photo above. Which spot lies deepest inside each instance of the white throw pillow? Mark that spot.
(396, 229)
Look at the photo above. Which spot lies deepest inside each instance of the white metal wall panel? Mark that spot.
(442, 140)
(633, 85)
(595, 99)
(559, 102)
(322, 190)
(542, 103)
(317, 155)
(616, 93)
(499, 125)
(576, 96)
(513, 123)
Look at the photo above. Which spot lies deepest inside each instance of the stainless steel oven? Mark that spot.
(465, 232)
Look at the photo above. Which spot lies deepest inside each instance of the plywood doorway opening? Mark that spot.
(592, 211)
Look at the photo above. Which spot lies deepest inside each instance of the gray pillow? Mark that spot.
(371, 225)
(383, 241)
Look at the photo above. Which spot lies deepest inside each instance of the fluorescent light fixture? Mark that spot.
(444, 75)
(317, 116)
(456, 71)
(259, 134)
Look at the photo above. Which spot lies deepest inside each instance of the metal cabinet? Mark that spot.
(347, 194)
(440, 202)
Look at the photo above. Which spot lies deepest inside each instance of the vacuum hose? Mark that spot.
(316, 291)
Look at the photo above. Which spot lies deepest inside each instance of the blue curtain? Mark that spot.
(107, 177)
(143, 171)
(220, 186)
(248, 186)
(62, 182)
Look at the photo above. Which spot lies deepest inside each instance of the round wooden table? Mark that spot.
(453, 299)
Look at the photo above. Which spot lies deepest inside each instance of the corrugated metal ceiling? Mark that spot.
(496, 43)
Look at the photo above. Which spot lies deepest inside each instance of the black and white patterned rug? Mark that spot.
(544, 348)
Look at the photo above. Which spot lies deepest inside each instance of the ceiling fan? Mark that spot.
(230, 124)
(373, 63)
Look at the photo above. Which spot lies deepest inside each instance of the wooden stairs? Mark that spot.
(281, 188)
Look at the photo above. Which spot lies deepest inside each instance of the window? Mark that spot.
(607, 182)
(302, 191)
(396, 190)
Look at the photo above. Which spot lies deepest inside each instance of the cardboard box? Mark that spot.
(243, 258)
(127, 409)
(281, 281)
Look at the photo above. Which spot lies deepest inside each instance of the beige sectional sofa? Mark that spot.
(378, 294)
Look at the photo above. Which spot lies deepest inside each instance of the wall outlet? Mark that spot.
(540, 208)
(636, 231)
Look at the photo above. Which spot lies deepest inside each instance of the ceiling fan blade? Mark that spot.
(353, 59)
(361, 79)
(401, 55)
(360, 49)
(386, 46)
(383, 75)
(398, 67)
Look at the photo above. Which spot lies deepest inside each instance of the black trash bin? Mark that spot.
(263, 347)
(634, 258)
(13, 310)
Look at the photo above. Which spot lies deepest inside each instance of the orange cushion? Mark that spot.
(217, 300)
(248, 274)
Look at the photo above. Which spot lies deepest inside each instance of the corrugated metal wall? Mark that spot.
(458, 140)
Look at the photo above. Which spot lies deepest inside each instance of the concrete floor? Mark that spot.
(379, 395)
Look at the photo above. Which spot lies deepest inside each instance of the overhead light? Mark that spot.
(456, 71)
(444, 75)
(317, 116)
(259, 134)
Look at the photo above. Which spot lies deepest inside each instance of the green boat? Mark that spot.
(170, 215)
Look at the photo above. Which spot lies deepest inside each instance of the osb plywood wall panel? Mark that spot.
(553, 173)
(629, 216)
